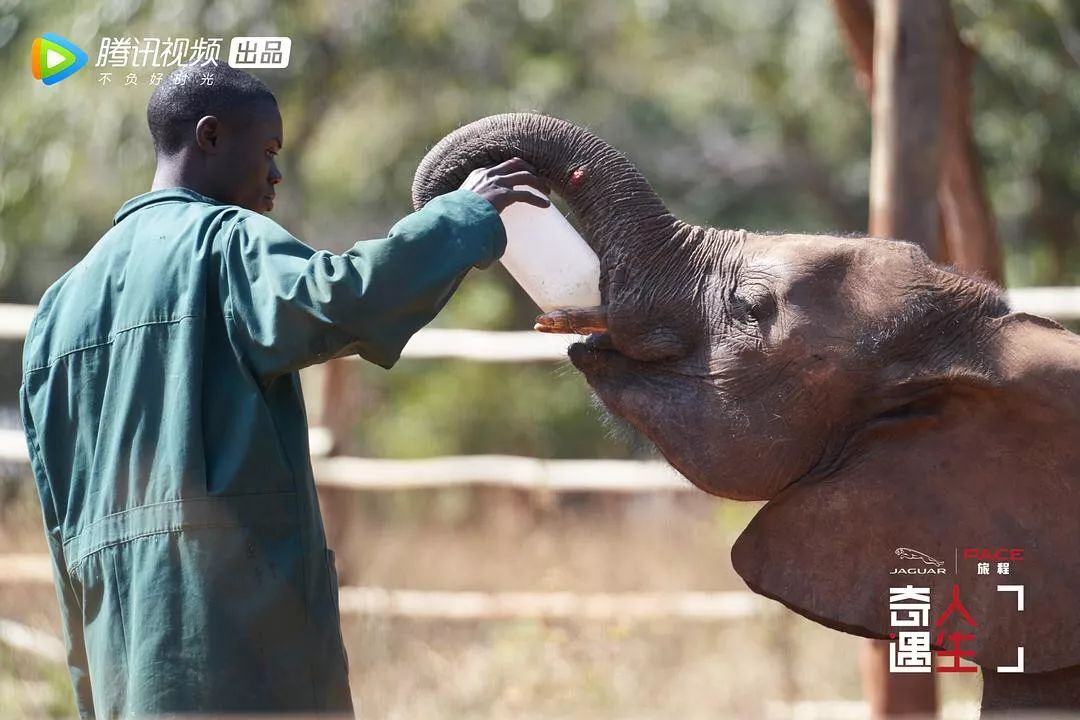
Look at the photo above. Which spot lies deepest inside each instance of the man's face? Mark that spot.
(244, 167)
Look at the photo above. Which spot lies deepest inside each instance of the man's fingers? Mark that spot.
(497, 184)
(580, 321)
(525, 178)
(527, 197)
(514, 164)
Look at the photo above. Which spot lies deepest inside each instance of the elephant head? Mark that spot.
(875, 400)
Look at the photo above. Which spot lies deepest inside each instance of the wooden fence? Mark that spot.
(1062, 303)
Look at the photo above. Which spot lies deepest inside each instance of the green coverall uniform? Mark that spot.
(168, 440)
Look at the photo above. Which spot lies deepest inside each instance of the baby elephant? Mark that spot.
(906, 428)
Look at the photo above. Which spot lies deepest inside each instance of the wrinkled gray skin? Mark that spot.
(874, 399)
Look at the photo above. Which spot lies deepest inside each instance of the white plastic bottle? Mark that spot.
(548, 258)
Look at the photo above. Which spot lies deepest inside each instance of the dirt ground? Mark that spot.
(500, 540)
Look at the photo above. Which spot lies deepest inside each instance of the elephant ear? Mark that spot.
(981, 476)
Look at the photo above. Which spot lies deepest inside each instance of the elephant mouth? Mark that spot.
(658, 347)
(604, 365)
(589, 355)
(599, 341)
(595, 353)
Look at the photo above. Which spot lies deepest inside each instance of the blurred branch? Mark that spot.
(970, 232)
(856, 19)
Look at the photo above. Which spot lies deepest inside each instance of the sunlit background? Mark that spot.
(741, 114)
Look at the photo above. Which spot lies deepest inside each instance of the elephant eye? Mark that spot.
(758, 308)
(762, 308)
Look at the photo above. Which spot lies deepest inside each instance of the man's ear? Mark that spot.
(974, 470)
(206, 134)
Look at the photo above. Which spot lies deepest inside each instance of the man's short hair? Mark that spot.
(183, 97)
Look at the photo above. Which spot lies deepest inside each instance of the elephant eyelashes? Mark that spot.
(763, 309)
(758, 310)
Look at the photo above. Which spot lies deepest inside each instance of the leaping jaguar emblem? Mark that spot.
(909, 554)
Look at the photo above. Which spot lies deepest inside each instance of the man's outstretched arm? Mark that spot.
(289, 306)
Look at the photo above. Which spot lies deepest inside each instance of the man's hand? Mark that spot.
(496, 184)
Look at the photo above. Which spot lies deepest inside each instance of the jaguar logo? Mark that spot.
(908, 554)
(905, 553)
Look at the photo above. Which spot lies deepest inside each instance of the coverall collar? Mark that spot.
(174, 194)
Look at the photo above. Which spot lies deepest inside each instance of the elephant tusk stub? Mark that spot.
(579, 321)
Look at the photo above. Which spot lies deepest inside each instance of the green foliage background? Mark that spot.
(741, 114)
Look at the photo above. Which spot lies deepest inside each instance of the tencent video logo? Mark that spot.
(53, 58)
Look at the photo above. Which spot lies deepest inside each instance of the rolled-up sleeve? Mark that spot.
(288, 305)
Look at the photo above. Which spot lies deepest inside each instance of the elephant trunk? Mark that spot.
(609, 197)
(637, 239)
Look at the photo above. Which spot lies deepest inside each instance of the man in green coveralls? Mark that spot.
(165, 422)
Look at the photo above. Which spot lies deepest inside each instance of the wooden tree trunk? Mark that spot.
(968, 238)
(900, 61)
(905, 167)
(905, 162)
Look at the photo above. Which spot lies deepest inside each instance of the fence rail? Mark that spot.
(602, 607)
(1060, 303)
(16, 635)
(524, 473)
(36, 569)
